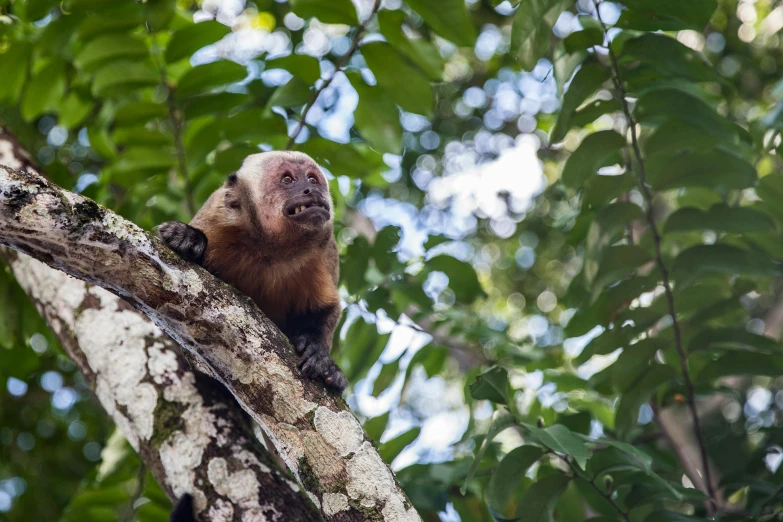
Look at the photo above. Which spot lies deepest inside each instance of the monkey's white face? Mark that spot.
(281, 191)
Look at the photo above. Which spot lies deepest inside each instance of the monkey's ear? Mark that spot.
(232, 179)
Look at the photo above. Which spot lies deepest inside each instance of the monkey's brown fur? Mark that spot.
(250, 235)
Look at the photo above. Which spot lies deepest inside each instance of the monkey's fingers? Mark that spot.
(300, 343)
(187, 241)
(334, 377)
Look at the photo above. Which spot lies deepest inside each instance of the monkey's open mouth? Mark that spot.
(297, 208)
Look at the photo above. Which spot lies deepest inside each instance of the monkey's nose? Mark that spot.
(307, 191)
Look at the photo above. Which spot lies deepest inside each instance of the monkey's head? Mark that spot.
(278, 195)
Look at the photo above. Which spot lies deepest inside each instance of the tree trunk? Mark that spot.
(319, 439)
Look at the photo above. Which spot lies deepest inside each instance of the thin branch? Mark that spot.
(340, 66)
(177, 124)
(691, 393)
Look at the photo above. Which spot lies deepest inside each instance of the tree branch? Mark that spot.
(318, 438)
(340, 66)
(648, 197)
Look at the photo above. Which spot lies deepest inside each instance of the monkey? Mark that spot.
(268, 231)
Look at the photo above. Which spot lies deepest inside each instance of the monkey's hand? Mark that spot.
(315, 362)
(189, 242)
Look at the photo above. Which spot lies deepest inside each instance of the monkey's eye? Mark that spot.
(234, 205)
(311, 178)
(287, 178)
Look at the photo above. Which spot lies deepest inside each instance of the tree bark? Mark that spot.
(319, 439)
(187, 429)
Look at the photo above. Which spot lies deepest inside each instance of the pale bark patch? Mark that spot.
(340, 430)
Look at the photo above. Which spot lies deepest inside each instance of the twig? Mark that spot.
(340, 65)
(176, 123)
(691, 393)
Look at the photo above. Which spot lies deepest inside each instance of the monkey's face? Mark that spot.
(307, 201)
(280, 194)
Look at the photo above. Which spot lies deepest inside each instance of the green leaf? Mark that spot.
(405, 84)
(733, 339)
(742, 363)
(327, 11)
(355, 263)
(203, 78)
(73, 110)
(674, 136)
(596, 150)
(610, 224)
(138, 163)
(448, 18)
(538, 503)
(508, 476)
(295, 93)
(606, 307)
(384, 247)
(580, 40)
(560, 439)
(656, 106)
(644, 459)
(377, 118)
(101, 143)
(463, 280)
(376, 426)
(633, 398)
(594, 110)
(118, 77)
(586, 81)
(724, 259)
(107, 48)
(634, 362)
(531, 31)
(110, 19)
(14, 63)
(670, 58)
(719, 218)
(362, 347)
(618, 262)
(671, 516)
(390, 449)
(342, 159)
(501, 420)
(254, 126)
(221, 102)
(388, 373)
(45, 90)
(671, 14)
(699, 169)
(186, 41)
(421, 52)
(492, 385)
(139, 112)
(159, 13)
(302, 66)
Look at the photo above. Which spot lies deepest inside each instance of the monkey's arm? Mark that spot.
(187, 241)
(311, 334)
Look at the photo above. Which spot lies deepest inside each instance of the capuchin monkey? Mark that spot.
(268, 231)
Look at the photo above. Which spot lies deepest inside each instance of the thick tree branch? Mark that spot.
(319, 439)
(622, 96)
(187, 429)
